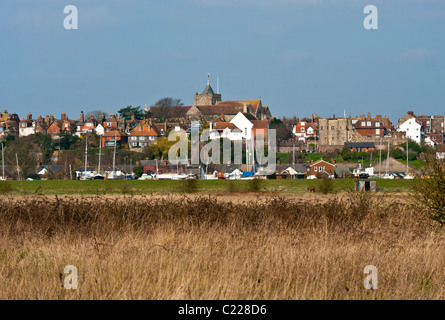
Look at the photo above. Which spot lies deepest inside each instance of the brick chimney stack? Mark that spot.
(63, 116)
(82, 118)
(29, 116)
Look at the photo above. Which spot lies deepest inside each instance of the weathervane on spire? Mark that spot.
(208, 78)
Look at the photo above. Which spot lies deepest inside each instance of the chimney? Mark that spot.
(82, 119)
(369, 116)
(312, 117)
(63, 116)
(29, 116)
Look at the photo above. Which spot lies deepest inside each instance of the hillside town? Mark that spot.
(132, 143)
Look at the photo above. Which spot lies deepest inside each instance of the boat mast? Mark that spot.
(407, 170)
(86, 157)
(3, 163)
(387, 160)
(100, 151)
(380, 157)
(114, 155)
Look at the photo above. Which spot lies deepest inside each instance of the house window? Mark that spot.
(368, 123)
(141, 138)
(363, 124)
(245, 131)
(332, 127)
(321, 128)
(377, 124)
(377, 131)
(320, 169)
(302, 129)
(151, 138)
(315, 168)
(108, 124)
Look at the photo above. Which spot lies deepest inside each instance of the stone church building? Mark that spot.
(209, 105)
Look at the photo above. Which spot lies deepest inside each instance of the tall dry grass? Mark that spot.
(203, 248)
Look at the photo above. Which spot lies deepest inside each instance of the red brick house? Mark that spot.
(108, 138)
(321, 167)
(55, 129)
(142, 135)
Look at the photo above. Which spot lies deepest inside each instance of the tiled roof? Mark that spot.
(113, 133)
(169, 112)
(220, 109)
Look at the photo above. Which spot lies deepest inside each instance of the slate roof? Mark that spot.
(359, 144)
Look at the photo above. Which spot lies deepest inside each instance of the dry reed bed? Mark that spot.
(204, 248)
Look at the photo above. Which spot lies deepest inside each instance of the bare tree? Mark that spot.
(97, 114)
(168, 102)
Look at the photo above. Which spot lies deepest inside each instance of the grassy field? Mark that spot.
(181, 247)
(169, 186)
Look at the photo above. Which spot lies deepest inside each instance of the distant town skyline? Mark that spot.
(301, 57)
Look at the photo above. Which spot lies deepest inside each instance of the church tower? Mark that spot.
(207, 97)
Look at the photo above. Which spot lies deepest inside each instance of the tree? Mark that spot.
(168, 102)
(127, 112)
(429, 191)
(24, 151)
(138, 171)
(283, 131)
(162, 106)
(97, 114)
(346, 154)
(67, 140)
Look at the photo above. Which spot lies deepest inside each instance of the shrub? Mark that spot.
(254, 185)
(429, 191)
(5, 187)
(189, 185)
(325, 185)
(126, 188)
(231, 187)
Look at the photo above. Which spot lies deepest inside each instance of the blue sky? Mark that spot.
(300, 56)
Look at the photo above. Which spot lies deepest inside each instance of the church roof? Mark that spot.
(208, 89)
(169, 112)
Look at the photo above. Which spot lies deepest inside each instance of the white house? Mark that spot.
(239, 128)
(413, 129)
(100, 130)
(26, 130)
